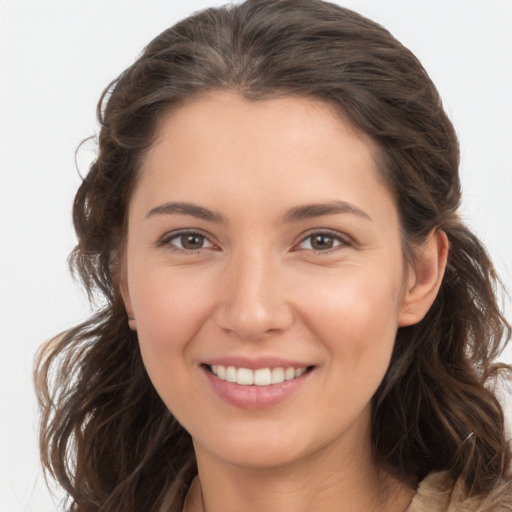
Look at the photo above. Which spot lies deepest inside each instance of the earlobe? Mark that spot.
(128, 305)
(424, 279)
(121, 280)
(131, 321)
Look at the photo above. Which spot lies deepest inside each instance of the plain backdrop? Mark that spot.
(56, 56)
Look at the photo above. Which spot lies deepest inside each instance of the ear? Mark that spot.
(424, 279)
(125, 294)
(122, 279)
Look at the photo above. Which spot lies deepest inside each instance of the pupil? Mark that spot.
(322, 242)
(192, 241)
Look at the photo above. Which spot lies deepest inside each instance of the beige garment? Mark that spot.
(436, 493)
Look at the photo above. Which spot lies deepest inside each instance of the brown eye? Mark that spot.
(322, 242)
(188, 241)
(192, 241)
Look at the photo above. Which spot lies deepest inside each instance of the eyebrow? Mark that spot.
(307, 211)
(334, 207)
(186, 209)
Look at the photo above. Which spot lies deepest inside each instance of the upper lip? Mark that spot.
(255, 363)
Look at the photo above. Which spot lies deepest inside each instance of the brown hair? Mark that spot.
(106, 436)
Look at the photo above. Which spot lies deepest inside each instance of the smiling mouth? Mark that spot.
(259, 377)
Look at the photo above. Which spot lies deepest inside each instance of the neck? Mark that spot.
(332, 480)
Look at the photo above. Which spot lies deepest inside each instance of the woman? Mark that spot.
(295, 316)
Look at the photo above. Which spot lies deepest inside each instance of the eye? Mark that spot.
(323, 241)
(187, 241)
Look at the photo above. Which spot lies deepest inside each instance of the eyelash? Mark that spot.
(334, 235)
(166, 241)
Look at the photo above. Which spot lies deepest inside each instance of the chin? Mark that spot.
(272, 446)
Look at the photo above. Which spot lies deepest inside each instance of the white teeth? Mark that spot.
(245, 377)
(262, 377)
(230, 373)
(289, 373)
(259, 377)
(277, 375)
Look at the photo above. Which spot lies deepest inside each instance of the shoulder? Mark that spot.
(438, 493)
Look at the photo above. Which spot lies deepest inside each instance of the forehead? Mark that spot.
(299, 116)
(284, 148)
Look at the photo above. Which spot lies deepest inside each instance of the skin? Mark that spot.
(257, 285)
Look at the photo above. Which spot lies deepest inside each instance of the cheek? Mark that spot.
(169, 307)
(358, 329)
(169, 311)
(357, 316)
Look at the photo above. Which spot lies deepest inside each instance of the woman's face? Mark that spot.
(262, 246)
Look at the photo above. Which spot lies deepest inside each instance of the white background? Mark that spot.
(56, 57)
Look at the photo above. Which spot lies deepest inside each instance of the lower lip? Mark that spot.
(254, 397)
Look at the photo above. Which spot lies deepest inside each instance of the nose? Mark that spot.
(253, 301)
